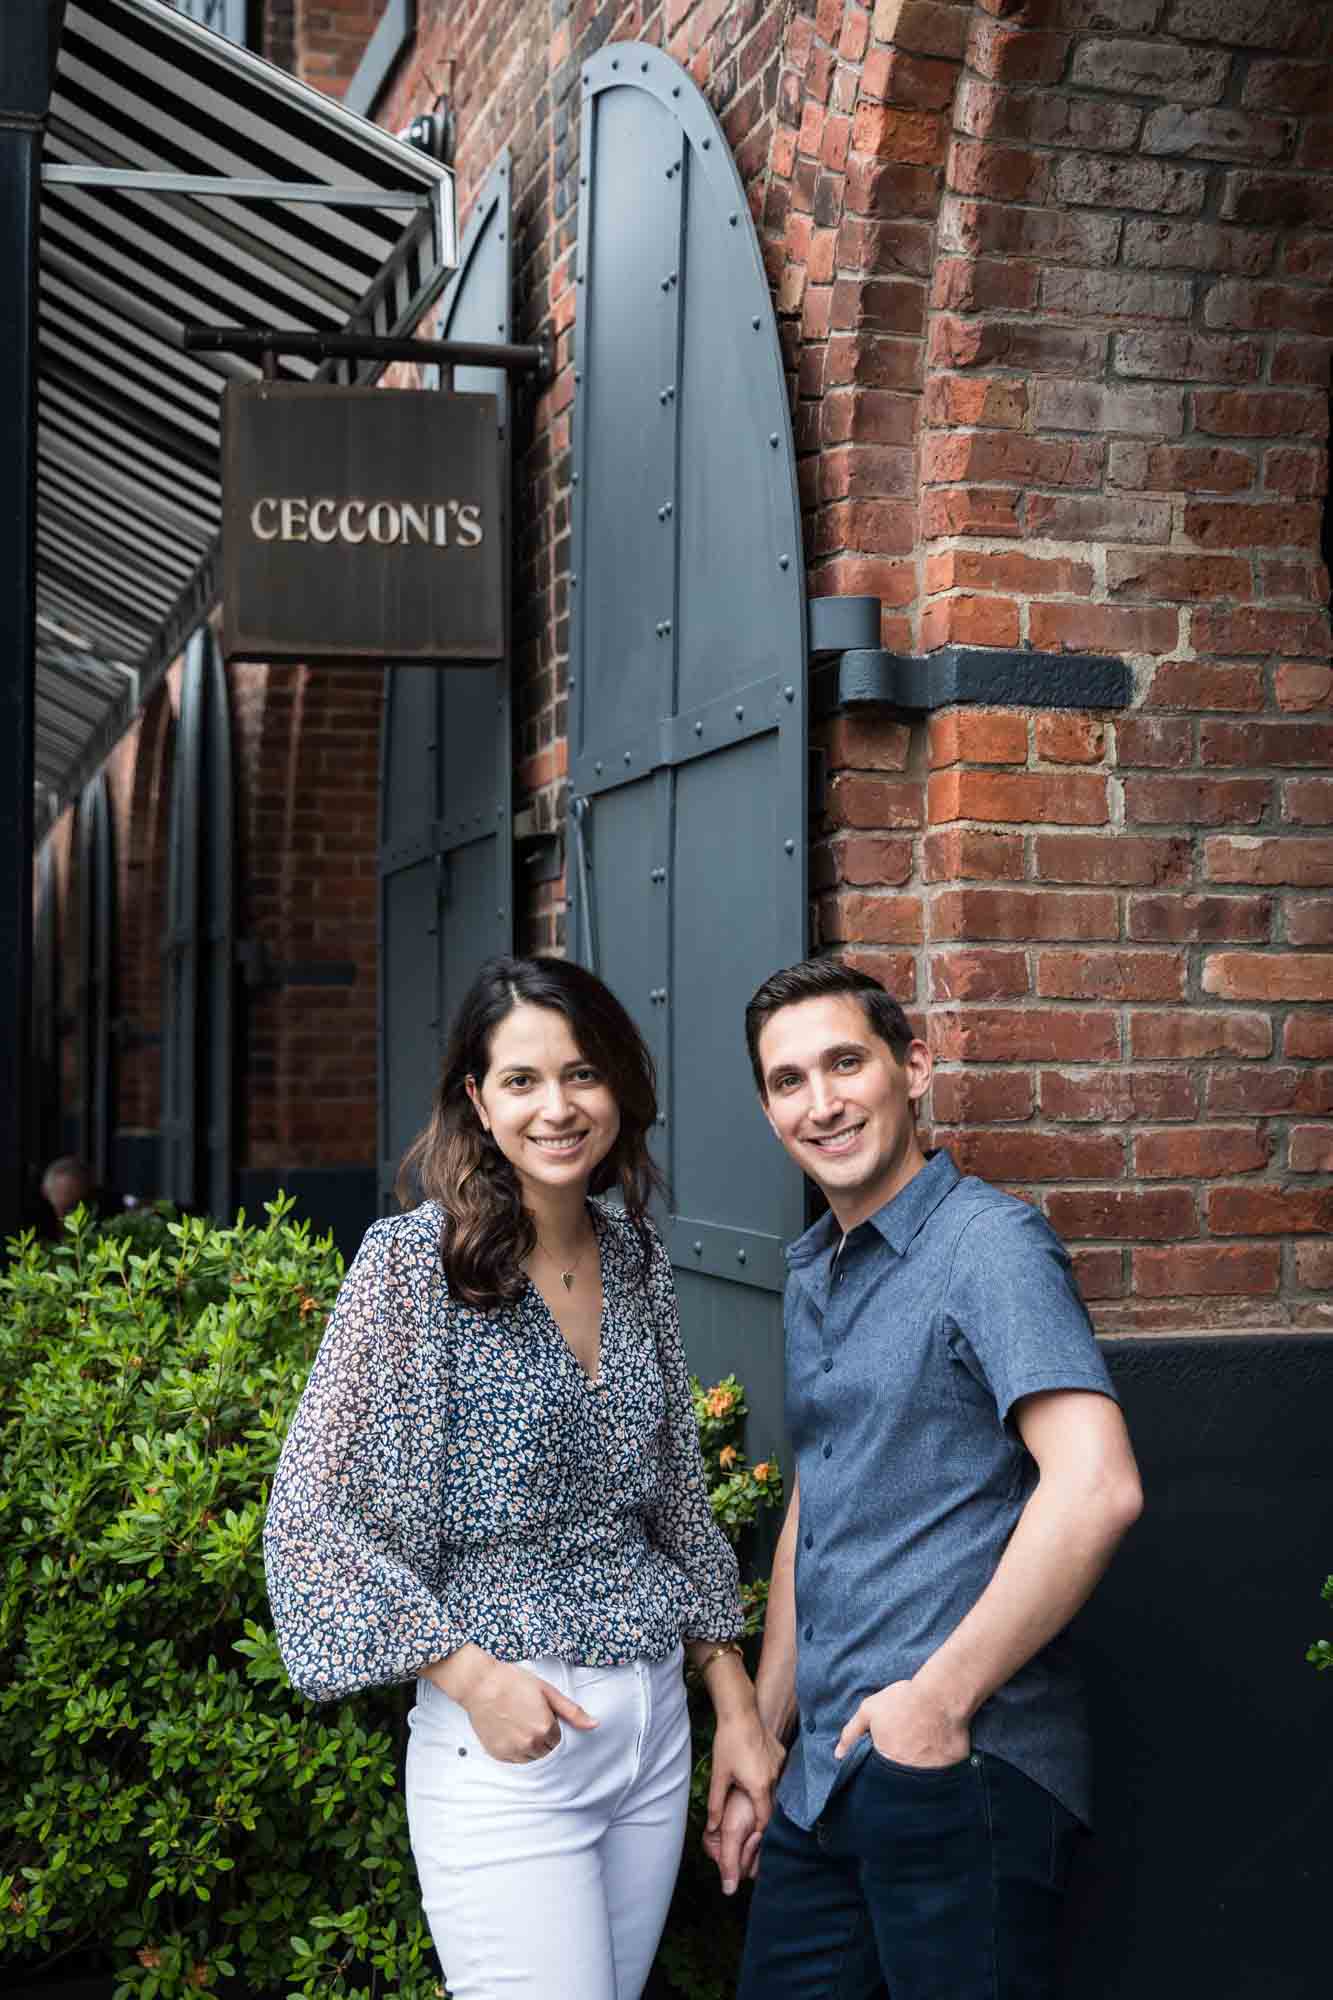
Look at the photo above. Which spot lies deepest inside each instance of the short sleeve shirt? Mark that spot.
(907, 1349)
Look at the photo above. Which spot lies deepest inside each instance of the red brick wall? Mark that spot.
(323, 41)
(307, 761)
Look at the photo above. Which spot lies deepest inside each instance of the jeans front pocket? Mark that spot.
(920, 1771)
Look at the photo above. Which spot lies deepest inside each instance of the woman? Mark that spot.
(493, 1486)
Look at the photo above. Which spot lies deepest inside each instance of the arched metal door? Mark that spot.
(96, 902)
(198, 949)
(446, 812)
(687, 674)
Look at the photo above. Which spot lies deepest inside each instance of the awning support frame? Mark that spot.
(217, 186)
(515, 358)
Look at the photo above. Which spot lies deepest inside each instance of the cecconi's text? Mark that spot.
(439, 524)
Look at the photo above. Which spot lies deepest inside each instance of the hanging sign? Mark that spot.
(361, 525)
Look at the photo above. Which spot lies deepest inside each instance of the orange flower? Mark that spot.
(150, 1956)
(761, 1472)
(720, 1402)
(198, 1975)
(726, 1458)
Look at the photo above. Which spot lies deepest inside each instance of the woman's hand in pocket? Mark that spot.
(516, 1714)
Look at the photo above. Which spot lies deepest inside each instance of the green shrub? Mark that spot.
(142, 1229)
(167, 1802)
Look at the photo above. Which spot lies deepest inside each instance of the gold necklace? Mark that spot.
(566, 1276)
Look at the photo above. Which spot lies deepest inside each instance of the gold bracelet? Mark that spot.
(727, 1646)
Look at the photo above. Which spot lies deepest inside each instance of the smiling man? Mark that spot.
(963, 1477)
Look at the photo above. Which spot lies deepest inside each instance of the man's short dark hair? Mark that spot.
(818, 979)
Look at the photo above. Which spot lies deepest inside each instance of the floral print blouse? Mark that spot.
(452, 1474)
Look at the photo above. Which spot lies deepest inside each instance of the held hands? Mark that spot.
(908, 1725)
(747, 1759)
(516, 1714)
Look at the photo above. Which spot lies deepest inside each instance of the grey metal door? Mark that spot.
(687, 675)
(198, 948)
(96, 927)
(180, 944)
(217, 972)
(46, 1015)
(446, 812)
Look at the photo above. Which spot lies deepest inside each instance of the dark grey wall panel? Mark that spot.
(687, 674)
(1208, 1872)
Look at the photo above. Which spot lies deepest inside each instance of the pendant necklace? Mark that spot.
(566, 1276)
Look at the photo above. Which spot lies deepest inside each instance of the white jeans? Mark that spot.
(550, 1880)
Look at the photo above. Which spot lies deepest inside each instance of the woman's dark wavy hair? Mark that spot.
(487, 1230)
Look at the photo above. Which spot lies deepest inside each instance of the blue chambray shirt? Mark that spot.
(905, 1357)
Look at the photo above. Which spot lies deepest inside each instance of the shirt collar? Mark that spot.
(898, 1222)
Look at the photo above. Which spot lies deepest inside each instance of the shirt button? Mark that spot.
(809, 1631)
(809, 1541)
(828, 1365)
(828, 1451)
(809, 1722)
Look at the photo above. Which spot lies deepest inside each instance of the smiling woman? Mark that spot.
(494, 1486)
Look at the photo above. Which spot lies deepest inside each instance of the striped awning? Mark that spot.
(185, 182)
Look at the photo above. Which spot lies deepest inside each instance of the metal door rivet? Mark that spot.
(667, 510)
(598, 769)
(666, 627)
(627, 756)
(790, 846)
(733, 219)
(616, 64)
(707, 144)
(499, 326)
(573, 582)
(661, 513)
(788, 693)
(661, 395)
(572, 682)
(783, 561)
(698, 729)
(698, 1249)
(755, 323)
(740, 713)
(773, 439)
(740, 1256)
(674, 276)
(574, 478)
(578, 374)
(644, 67)
(675, 90)
(666, 284)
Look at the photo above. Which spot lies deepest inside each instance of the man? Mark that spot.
(963, 1475)
(67, 1182)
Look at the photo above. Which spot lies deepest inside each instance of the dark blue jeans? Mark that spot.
(922, 1885)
